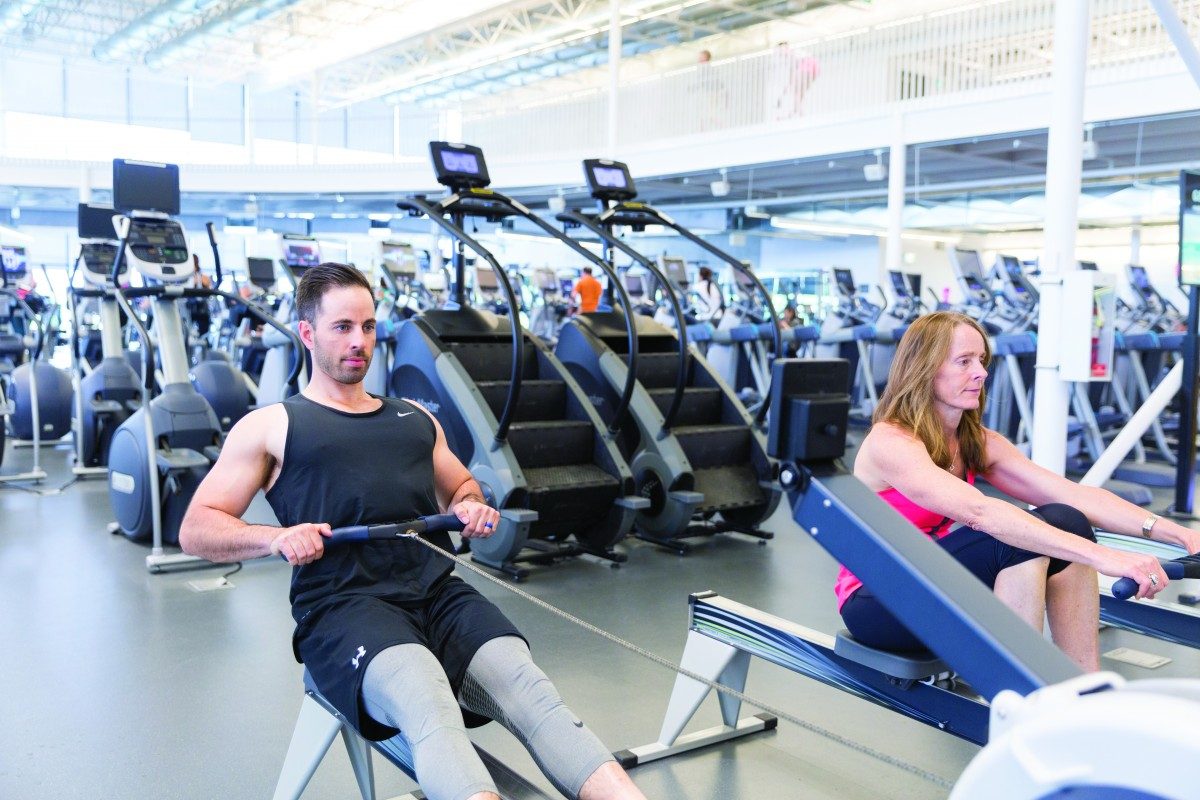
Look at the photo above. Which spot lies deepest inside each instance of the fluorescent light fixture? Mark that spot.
(719, 188)
(557, 204)
(380, 217)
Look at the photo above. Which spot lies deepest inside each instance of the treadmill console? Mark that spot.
(900, 285)
(12, 262)
(300, 253)
(98, 258)
(261, 272)
(158, 245)
(844, 280)
(148, 195)
(459, 166)
(609, 180)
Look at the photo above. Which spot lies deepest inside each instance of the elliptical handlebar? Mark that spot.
(212, 241)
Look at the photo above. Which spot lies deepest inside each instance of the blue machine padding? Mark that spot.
(700, 332)
(1016, 344)
(744, 333)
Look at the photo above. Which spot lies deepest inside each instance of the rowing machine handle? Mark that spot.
(393, 530)
(1126, 588)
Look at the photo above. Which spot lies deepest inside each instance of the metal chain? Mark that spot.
(933, 778)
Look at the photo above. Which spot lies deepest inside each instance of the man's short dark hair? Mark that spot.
(587, 270)
(318, 280)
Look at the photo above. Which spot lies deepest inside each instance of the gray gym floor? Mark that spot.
(122, 684)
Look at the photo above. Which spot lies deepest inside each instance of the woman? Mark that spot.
(922, 455)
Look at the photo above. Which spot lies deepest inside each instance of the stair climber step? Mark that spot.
(658, 370)
(729, 487)
(491, 361)
(539, 400)
(570, 497)
(714, 445)
(700, 406)
(552, 443)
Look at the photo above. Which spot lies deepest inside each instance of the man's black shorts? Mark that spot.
(338, 639)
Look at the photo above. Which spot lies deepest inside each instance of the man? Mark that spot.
(586, 293)
(385, 629)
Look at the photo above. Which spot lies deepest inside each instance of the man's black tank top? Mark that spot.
(360, 469)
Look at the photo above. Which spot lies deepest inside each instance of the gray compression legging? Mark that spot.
(405, 687)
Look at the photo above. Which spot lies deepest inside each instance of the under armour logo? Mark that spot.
(362, 651)
(405, 414)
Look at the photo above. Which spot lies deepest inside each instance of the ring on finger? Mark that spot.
(1153, 579)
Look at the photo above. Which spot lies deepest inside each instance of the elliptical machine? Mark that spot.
(109, 394)
(13, 348)
(159, 455)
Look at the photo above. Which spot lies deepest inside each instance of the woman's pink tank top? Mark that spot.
(931, 523)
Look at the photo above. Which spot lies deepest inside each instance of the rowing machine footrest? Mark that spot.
(907, 666)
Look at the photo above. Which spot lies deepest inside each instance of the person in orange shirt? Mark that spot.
(587, 289)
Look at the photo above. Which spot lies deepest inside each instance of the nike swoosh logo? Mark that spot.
(579, 724)
(398, 414)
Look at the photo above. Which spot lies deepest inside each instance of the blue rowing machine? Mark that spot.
(1050, 728)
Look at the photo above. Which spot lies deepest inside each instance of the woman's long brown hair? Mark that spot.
(908, 400)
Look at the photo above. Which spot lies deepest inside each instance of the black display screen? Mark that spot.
(459, 166)
(98, 259)
(845, 281)
(609, 180)
(460, 162)
(145, 186)
(261, 272)
(1140, 280)
(611, 177)
(13, 259)
(96, 222)
(899, 284)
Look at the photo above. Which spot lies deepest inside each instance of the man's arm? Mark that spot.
(457, 492)
(212, 527)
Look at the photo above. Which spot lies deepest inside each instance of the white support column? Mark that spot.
(1135, 242)
(614, 74)
(315, 115)
(85, 184)
(897, 162)
(1063, 182)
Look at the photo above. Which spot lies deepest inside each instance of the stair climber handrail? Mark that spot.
(574, 217)
(419, 204)
(656, 216)
(519, 209)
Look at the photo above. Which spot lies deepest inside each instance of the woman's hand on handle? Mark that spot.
(1138, 567)
(301, 544)
(479, 520)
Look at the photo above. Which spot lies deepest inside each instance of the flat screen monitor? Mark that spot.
(676, 270)
(969, 263)
(261, 272)
(459, 165)
(145, 186)
(13, 259)
(300, 253)
(96, 222)
(609, 180)
(844, 281)
(899, 283)
(1016, 274)
(1089, 265)
(634, 285)
(914, 283)
(566, 285)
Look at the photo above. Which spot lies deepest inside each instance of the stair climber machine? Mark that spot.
(45, 417)
(159, 455)
(512, 412)
(1047, 729)
(697, 454)
(108, 394)
(21, 335)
